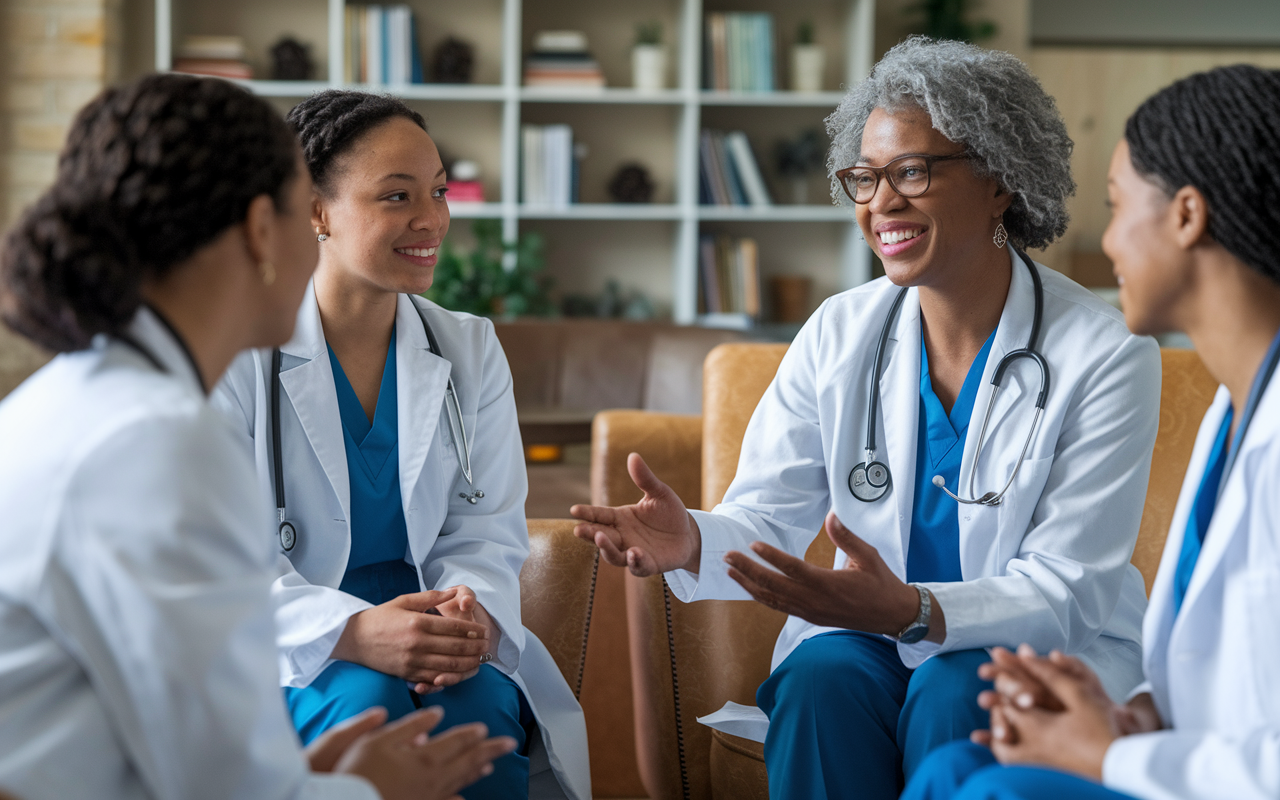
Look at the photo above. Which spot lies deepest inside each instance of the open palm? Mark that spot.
(654, 535)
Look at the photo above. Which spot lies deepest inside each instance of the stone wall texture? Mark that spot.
(57, 54)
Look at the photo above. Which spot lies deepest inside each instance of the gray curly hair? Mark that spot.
(984, 99)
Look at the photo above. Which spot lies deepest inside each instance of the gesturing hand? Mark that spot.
(654, 535)
(864, 595)
(401, 638)
(402, 762)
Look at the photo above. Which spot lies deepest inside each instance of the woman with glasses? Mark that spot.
(967, 372)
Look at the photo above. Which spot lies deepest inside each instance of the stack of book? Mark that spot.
(561, 58)
(549, 166)
(219, 56)
(729, 173)
(739, 52)
(729, 274)
(381, 45)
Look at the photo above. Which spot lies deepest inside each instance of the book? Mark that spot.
(380, 45)
(729, 280)
(561, 58)
(729, 172)
(549, 167)
(740, 53)
(747, 169)
(214, 67)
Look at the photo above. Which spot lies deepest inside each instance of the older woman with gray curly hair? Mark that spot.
(953, 159)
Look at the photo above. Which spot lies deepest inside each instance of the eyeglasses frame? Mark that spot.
(883, 172)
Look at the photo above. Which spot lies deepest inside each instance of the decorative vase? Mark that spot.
(649, 67)
(807, 63)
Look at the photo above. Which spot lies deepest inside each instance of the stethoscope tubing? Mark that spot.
(453, 412)
(1029, 352)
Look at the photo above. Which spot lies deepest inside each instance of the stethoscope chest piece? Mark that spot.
(288, 536)
(868, 482)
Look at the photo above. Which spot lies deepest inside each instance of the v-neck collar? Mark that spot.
(945, 430)
(374, 441)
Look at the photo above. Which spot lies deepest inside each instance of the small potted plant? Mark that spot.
(808, 60)
(649, 58)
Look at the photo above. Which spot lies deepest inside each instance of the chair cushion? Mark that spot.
(737, 768)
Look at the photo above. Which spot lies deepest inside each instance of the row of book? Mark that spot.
(739, 52)
(381, 45)
(729, 174)
(548, 165)
(561, 58)
(729, 275)
(219, 56)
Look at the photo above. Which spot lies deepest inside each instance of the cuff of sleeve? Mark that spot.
(1126, 760)
(712, 580)
(300, 664)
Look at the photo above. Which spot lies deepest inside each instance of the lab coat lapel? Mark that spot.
(1233, 502)
(900, 410)
(421, 380)
(317, 406)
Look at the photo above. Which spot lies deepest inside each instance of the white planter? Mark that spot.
(649, 67)
(807, 63)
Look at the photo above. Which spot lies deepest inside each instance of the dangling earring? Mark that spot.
(268, 273)
(1001, 236)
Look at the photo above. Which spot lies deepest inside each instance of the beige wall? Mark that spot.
(1097, 89)
(56, 57)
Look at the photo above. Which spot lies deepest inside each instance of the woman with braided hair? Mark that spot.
(136, 635)
(1194, 189)
(386, 430)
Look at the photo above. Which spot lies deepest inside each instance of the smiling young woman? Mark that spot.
(386, 429)
(949, 155)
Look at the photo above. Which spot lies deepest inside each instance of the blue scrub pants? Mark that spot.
(847, 719)
(345, 689)
(966, 771)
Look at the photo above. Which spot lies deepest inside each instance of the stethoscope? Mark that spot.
(288, 531)
(870, 480)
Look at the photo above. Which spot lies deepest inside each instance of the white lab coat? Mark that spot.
(137, 650)
(1048, 566)
(450, 540)
(1214, 671)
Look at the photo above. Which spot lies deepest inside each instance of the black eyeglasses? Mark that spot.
(907, 175)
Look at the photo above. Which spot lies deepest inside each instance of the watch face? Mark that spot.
(914, 634)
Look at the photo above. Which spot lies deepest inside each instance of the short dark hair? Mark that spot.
(1219, 131)
(329, 123)
(151, 172)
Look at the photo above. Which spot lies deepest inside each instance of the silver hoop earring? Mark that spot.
(320, 237)
(1001, 236)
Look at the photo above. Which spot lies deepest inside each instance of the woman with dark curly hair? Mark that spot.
(136, 634)
(1194, 189)
(386, 430)
(974, 431)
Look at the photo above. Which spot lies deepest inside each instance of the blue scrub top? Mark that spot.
(933, 551)
(376, 568)
(1201, 513)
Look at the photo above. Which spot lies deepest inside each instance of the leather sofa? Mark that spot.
(687, 660)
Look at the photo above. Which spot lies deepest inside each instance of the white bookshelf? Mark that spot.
(659, 129)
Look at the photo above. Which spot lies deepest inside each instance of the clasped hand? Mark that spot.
(1053, 711)
(658, 534)
(432, 639)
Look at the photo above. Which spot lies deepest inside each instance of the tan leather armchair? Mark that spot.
(687, 660)
(557, 592)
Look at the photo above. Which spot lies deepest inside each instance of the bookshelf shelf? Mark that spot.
(538, 94)
(602, 211)
(794, 99)
(653, 247)
(776, 213)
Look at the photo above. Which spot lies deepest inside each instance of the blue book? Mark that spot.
(415, 55)
(737, 196)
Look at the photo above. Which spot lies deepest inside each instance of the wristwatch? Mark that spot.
(918, 629)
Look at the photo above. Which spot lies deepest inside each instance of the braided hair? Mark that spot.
(1219, 131)
(151, 172)
(329, 124)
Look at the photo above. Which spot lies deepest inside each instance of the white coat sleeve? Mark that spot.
(309, 618)
(160, 587)
(1195, 765)
(783, 505)
(1061, 587)
(484, 545)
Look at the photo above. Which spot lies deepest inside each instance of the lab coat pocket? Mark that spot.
(1014, 514)
(1258, 591)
